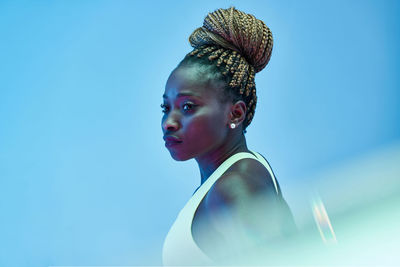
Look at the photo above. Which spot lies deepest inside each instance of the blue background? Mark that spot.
(85, 178)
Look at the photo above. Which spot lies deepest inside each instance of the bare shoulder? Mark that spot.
(244, 201)
(245, 178)
(244, 188)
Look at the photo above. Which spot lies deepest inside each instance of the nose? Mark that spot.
(170, 123)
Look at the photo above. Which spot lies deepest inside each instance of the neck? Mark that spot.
(209, 162)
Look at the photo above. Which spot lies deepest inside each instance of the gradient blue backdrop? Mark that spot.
(85, 178)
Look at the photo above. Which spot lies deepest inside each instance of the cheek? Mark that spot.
(205, 129)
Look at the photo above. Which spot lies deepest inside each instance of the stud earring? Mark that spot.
(233, 126)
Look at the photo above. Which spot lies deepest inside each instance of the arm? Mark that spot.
(247, 212)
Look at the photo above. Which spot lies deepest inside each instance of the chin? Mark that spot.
(179, 157)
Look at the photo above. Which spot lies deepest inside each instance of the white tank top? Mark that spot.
(179, 247)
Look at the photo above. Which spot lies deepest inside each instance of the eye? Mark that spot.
(189, 106)
(164, 108)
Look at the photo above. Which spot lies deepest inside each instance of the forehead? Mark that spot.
(189, 80)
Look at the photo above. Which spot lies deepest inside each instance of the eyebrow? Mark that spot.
(183, 94)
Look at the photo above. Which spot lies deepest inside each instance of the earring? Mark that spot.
(233, 126)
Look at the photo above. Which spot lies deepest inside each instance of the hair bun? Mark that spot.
(239, 31)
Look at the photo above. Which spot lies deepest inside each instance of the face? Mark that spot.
(193, 114)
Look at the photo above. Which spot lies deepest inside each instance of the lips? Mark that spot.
(170, 139)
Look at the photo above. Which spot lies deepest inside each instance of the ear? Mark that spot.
(238, 112)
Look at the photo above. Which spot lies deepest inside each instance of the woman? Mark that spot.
(209, 101)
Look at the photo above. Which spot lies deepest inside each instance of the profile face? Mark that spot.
(192, 114)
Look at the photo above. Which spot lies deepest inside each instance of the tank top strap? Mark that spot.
(266, 164)
(205, 187)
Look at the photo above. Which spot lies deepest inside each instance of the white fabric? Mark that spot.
(179, 247)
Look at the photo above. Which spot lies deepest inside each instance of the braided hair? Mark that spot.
(235, 46)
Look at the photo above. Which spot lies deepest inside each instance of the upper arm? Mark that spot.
(244, 210)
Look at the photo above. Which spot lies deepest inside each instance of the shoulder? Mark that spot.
(245, 178)
(244, 207)
(247, 184)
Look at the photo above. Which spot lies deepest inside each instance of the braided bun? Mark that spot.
(238, 31)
